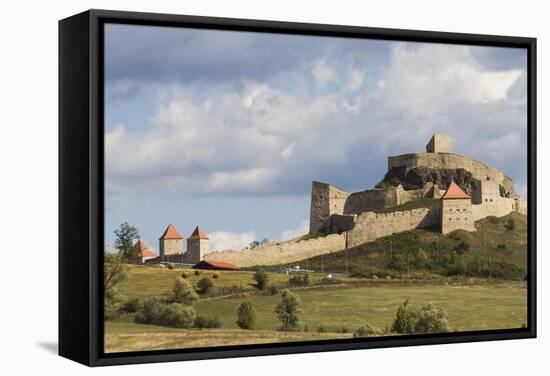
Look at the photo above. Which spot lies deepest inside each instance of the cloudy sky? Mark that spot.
(228, 129)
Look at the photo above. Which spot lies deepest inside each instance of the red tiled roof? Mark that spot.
(197, 234)
(143, 250)
(220, 264)
(171, 233)
(454, 191)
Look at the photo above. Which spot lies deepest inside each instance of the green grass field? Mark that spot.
(475, 307)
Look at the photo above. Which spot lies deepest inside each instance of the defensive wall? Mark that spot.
(281, 253)
(370, 226)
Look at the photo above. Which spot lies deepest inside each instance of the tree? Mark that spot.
(405, 320)
(184, 293)
(261, 279)
(115, 272)
(124, 241)
(289, 311)
(205, 284)
(246, 315)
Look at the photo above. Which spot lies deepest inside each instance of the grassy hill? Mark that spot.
(497, 249)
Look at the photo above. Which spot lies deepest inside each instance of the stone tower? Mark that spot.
(326, 200)
(171, 242)
(456, 210)
(439, 143)
(197, 246)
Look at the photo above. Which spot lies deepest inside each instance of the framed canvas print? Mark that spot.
(235, 187)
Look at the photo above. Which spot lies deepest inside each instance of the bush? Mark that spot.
(246, 316)
(328, 281)
(289, 311)
(261, 279)
(171, 265)
(462, 248)
(321, 329)
(273, 290)
(184, 293)
(344, 330)
(158, 312)
(197, 272)
(501, 247)
(216, 275)
(298, 280)
(207, 322)
(431, 320)
(405, 320)
(205, 284)
(366, 330)
(133, 305)
(510, 224)
(185, 275)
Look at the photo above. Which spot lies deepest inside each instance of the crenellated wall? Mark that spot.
(370, 226)
(281, 253)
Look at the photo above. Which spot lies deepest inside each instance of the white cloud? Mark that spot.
(323, 73)
(225, 240)
(264, 138)
(296, 232)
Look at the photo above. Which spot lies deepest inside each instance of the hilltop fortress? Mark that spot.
(461, 190)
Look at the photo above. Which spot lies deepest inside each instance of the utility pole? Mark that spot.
(346, 262)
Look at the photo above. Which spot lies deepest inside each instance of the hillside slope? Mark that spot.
(497, 249)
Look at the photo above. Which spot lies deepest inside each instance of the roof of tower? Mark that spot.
(198, 234)
(143, 249)
(454, 191)
(171, 233)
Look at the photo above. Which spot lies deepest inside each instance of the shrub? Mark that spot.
(171, 265)
(158, 312)
(197, 272)
(289, 311)
(405, 319)
(501, 247)
(462, 247)
(185, 275)
(246, 315)
(321, 329)
(205, 284)
(184, 293)
(261, 279)
(366, 330)
(344, 329)
(273, 290)
(216, 275)
(298, 280)
(329, 281)
(510, 224)
(207, 322)
(133, 305)
(431, 320)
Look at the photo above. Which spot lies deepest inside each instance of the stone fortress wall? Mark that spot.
(276, 253)
(370, 226)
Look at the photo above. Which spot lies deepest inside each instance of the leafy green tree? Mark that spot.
(205, 284)
(405, 320)
(246, 315)
(261, 279)
(124, 241)
(289, 311)
(184, 292)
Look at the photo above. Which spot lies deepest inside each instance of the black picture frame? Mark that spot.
(81, 185)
